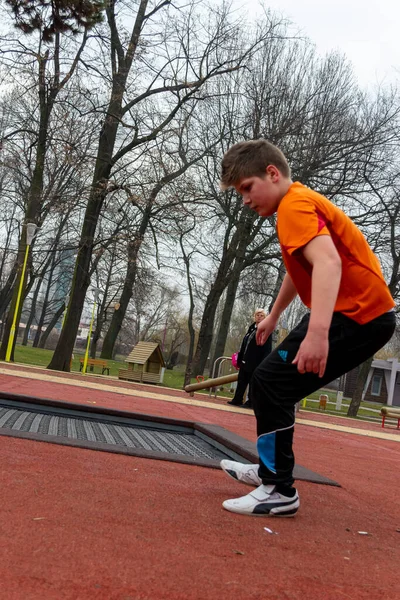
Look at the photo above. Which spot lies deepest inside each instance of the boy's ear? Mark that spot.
(273, 172)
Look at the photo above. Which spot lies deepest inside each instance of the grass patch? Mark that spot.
(367, 409)
(41, 357)
(174, 379)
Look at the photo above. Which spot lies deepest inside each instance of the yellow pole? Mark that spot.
(88, 341)
(14, 321)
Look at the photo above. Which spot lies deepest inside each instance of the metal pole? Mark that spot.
(165, 332)
(214, 369)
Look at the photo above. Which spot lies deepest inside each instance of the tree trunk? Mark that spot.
(10, 315)
(62, 356)
(49, 263)
(207, 326)
(119, 315)
(6, 293)
(96, 335)
(32, 315)
(360, 385)
(35, 193)
(38, 331)
(133, 252)
(192, 333)
(48, 88)
(233, 254)
(34, 197)
(45, 303)
(102, 310)
(278, 284)
(189, 363)
(121, 61)
(226, 317)
(50, 326)
(127, 291)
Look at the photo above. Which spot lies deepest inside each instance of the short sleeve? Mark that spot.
(299, 221)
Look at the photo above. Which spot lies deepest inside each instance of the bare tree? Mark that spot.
(380, 212)
(314, 111)
(186, 256)
(171, 157)
(53, 73)
(177, 72)
(110, 287)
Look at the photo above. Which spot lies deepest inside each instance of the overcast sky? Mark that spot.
(367, 31)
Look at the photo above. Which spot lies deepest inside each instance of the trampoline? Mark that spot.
(123, 432)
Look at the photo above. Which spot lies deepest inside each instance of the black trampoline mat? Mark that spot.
(123, 432)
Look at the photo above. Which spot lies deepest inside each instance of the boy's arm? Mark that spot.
(286, 294)
(321, 253)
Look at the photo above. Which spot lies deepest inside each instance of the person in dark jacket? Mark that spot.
(249, 357)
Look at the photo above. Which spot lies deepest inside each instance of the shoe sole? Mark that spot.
(287, 514)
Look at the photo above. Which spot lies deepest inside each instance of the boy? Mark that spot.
(337, 276)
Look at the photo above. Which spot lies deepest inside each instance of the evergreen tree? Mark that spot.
(55, 16)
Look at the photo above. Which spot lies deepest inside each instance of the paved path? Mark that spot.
(166, 394)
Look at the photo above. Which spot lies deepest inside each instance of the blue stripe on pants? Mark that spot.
(266, 450)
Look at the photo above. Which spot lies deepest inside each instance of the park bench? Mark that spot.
(95, 362)
(392, 413)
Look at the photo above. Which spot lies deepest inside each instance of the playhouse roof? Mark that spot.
(143, 351)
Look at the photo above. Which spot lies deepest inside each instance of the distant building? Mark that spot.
(382, 385)
(62, 278)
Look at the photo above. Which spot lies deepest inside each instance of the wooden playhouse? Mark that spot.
(145, 364)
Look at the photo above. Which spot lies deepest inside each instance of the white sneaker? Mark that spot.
(264, 502)
(245, 473)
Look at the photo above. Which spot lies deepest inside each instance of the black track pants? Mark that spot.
(242, 383)
(277, 385)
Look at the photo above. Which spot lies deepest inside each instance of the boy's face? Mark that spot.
(263, 194)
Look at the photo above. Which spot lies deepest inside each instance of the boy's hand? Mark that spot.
(264, 329)
(312, 354)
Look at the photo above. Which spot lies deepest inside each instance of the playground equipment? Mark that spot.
(391, 413)
(210, 383)
(323, 401)
(216, 372)
(145, 364)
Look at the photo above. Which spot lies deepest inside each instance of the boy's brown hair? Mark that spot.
(250, 159)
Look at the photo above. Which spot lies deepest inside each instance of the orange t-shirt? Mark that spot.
(302, 215)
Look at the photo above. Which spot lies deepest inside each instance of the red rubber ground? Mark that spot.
(85, 525)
